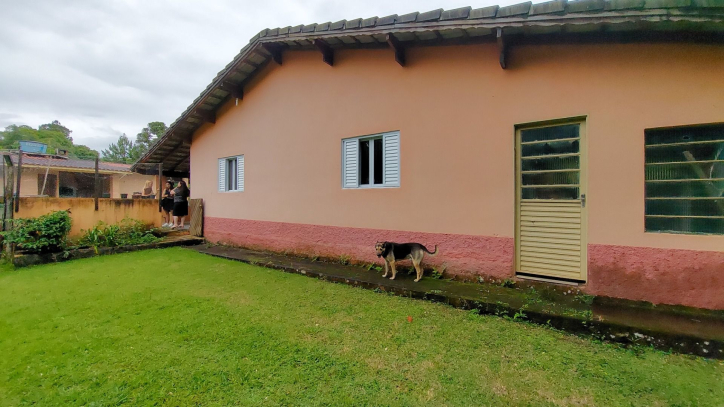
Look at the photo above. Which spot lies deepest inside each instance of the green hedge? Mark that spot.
(44, 234)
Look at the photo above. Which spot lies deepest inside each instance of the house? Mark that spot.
(58, 176)
(567, 142)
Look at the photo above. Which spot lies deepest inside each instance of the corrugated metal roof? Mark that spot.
(57, 162)
(698, 20)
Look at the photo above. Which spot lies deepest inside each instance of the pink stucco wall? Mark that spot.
(456, 110)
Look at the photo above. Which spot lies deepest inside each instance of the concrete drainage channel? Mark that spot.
(691, 331)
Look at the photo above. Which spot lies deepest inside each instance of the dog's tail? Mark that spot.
(432, 253)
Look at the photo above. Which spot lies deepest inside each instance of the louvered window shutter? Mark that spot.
(392, 159)
(350, 160)
(222, 175)
(240, 173)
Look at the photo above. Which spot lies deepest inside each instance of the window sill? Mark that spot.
(373, 187)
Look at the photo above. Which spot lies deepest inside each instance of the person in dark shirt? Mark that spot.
(180, 204)
(167, 204)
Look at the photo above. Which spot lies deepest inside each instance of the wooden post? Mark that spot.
(158, 187)
(97, 185)
(8, 193)
(19, 175)
(8, 198)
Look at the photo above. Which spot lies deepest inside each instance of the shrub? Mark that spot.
(44, 234)
(128, 232)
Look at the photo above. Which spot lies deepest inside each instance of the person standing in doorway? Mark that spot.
(167, 204)
(180, 204)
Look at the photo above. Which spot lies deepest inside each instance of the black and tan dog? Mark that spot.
(394, 252)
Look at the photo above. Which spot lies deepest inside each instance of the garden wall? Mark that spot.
(84, 215)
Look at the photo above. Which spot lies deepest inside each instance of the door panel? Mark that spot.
(550, 211)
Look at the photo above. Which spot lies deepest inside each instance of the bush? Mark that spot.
(44, 234)
(128, 232)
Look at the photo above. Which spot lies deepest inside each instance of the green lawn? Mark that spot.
(174, 327)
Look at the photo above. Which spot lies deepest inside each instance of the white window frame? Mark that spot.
(390, 169)
(223, 177)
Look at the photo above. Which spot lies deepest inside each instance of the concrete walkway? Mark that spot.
(685, 330)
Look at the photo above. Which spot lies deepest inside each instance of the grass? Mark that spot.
(174, 327)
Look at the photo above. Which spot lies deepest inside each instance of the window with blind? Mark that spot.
(231, 174)
(371, 161)
(685, 179)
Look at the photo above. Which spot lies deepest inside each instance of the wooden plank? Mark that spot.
(208, 116)
(234, 90)
(18, 177)
(196, 210)
(8, 193)
(158, 186)
(97, 185)
(502, 48)
(326, 50)
(398, 48)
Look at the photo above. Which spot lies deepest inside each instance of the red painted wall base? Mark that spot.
(662, 276)
(461, 254)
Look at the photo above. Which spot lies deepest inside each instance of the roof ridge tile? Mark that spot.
(432, 15)
(485, 12)
(387, 20)
(408, 18)
(514, 10)
(337, 25)
(456, 14)
(353, 23)
(369, 22)
(548, 7)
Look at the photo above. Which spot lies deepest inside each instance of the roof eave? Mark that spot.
(263, 46)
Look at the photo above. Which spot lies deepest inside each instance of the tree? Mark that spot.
(54, 134)
(56, 126)
(147, 138)
(120, 152)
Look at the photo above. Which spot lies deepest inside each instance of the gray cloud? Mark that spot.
(109, 67)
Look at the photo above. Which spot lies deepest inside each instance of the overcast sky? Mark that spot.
(105, 67)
